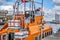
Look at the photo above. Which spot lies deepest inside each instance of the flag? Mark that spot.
(25, 0)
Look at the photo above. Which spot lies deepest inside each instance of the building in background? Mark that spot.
(57, 11)
(9, 17)
(57, 18)
(3, 13)
(3, 16)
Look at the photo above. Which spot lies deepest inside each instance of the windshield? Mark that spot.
(1, 26)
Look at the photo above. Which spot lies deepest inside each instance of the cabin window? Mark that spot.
(36, 38)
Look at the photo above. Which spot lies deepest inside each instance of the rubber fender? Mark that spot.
(11, 36)
(42, 35)
(45, 34)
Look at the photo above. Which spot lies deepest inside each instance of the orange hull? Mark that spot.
(33, 29)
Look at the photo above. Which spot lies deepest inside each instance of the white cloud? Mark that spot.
(56, 1)
(49, 14)
(56, 8)
(4, 7)
(48, 11)
(8, 3)
(2, 0)
(9, 8)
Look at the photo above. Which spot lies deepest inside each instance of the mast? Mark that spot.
(41, 25)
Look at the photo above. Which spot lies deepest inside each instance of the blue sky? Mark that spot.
(9, 0)
(47, 3)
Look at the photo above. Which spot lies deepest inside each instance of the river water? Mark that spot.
(56, 35)
(54, 26)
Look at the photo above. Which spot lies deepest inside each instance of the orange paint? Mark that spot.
(34, 28)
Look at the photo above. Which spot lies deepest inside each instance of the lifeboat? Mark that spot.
(30, 31)
(24, 27)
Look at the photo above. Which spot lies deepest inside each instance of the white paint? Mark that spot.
(13, 23)
(22, 34)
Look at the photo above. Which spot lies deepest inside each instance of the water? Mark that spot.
(50, 17)
(56, 35)
(55, 27)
